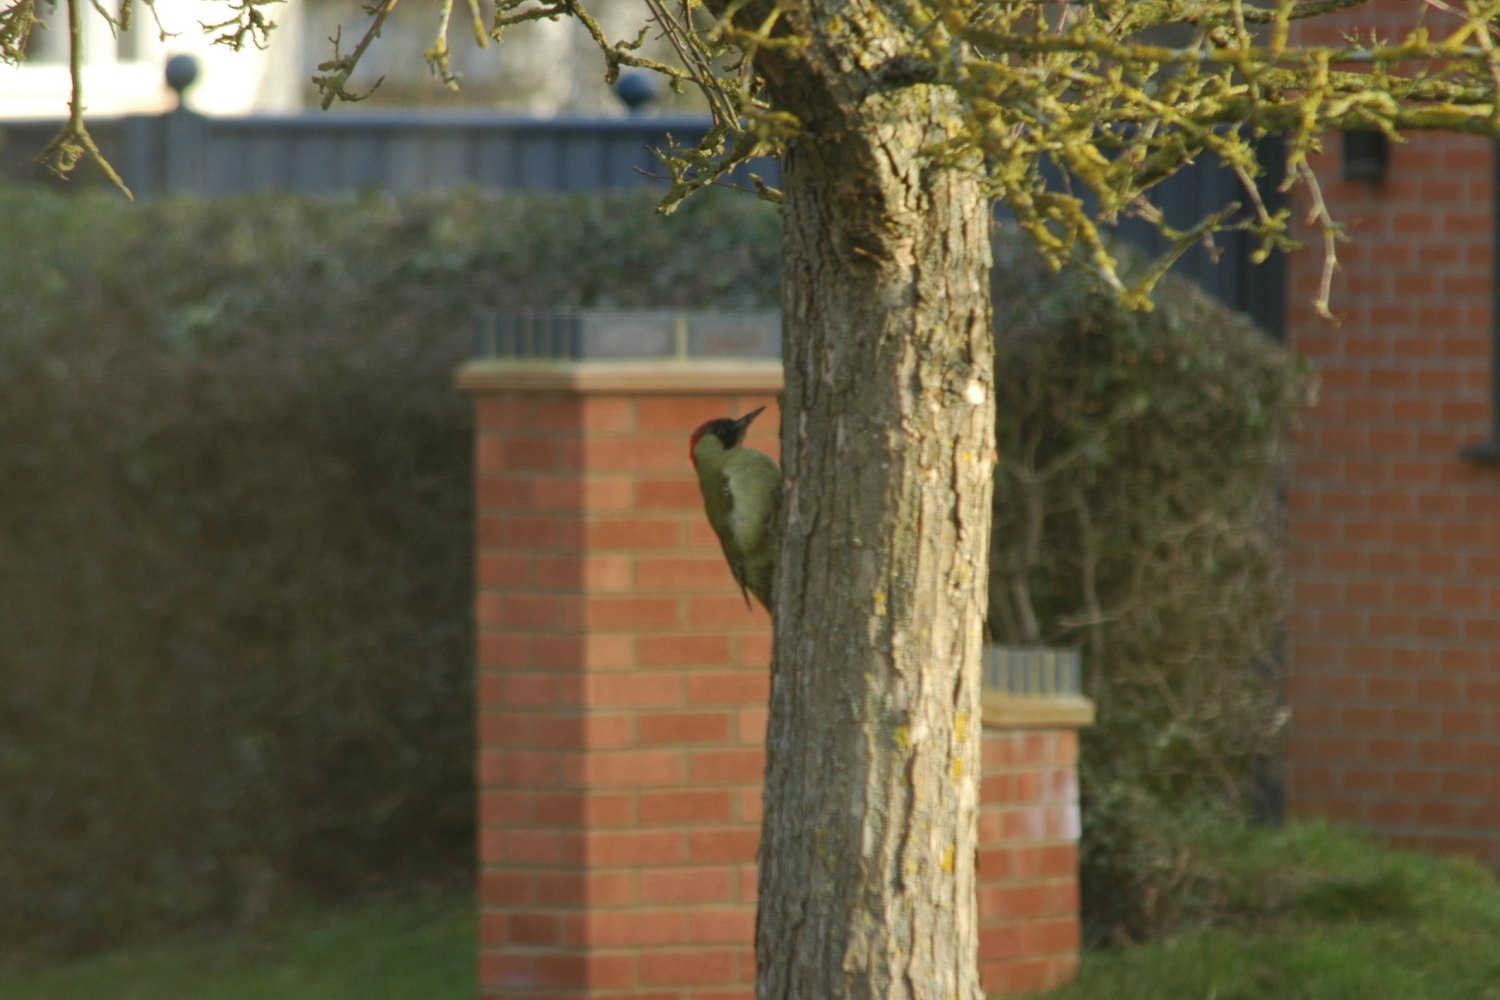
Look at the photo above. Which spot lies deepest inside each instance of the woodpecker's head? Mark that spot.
(719, 436)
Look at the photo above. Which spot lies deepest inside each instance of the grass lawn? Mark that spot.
(421, 950)
(1310, 913)
(1305, 913)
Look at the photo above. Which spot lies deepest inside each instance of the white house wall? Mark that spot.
(125, 75)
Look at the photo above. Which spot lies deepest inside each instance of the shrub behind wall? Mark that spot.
(1138, 517)
(235, 531)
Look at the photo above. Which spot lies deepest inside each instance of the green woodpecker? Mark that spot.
(742, 494)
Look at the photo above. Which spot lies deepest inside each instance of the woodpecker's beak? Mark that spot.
(743, 425)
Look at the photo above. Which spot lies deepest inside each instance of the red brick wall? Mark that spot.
(1028, 860)
(1394, 640)
(621, 715)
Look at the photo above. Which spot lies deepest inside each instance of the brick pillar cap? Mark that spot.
(1068, 711)
(652, 376)
(1032, 687)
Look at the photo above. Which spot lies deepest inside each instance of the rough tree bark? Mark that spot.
(867, 854)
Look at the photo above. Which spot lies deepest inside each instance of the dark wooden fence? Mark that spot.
(398, 152)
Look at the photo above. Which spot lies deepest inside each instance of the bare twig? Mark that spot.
(1332, 232)
(73, 142)
(1089, 555)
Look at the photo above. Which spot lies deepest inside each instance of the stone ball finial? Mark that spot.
(636, 90)
(182, 73)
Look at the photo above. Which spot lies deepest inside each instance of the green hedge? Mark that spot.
(235, 554)
(235, 531)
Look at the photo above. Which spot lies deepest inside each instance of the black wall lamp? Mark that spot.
(1367, 154)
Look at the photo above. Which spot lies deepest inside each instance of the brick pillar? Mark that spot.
(622, 686)
(1029, 824)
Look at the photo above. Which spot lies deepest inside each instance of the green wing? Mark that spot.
(754, 531)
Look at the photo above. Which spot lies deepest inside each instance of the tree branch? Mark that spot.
(335, 72)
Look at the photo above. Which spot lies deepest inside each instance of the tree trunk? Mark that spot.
(872, 785)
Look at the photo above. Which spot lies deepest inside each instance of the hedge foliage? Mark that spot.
(1137, 517)
(235, 552)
